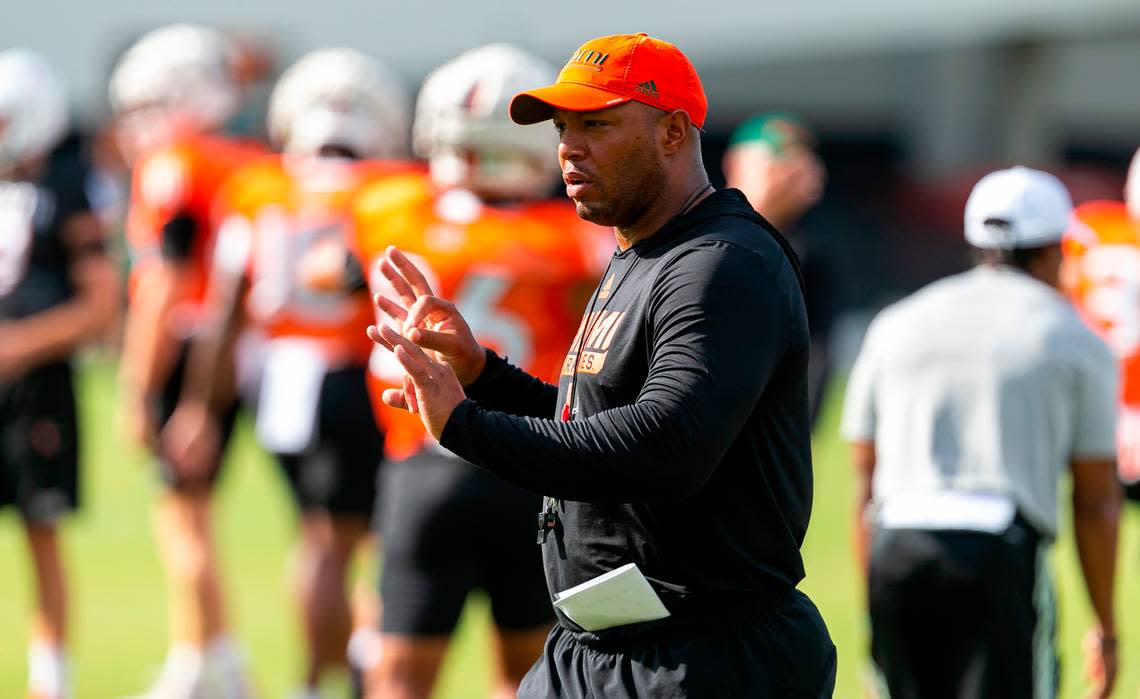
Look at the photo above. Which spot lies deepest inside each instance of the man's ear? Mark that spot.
(674, 128)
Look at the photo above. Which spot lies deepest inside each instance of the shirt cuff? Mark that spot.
(455, 437)
(486, 380)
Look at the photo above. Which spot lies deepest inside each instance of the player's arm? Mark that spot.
(1097, 500)
(208, 383)
(707, 371)
(191, 439)
(149, 348)
(863, 458)
(857, 427)
(56, 332)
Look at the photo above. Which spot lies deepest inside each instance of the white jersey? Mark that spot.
(984, 384)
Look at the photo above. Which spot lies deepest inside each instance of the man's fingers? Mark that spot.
(400, 285)
(411, 273)
(410, 395)
(374, 334)
(395, 398)
(390, 308)
(411, 357)
(428, 309)
(417, 368)
(444, 343)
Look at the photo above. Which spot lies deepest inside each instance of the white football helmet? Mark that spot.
(1132, 187)
(339, 97)
(181, 74)
(463, 129)
(33, 107)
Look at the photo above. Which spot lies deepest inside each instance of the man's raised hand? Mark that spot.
(431, 389)
(427, 320)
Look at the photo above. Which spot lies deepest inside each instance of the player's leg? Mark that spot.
(49, 619)
(908, 594)
(334, 484)
(186, 546)
(953, 613)
(202, 657)
(364, 645)
(1020, 658)
(40, 443)
(323, 557)
(429, 568)
(511, 566)
(517, 651)
(47, 664)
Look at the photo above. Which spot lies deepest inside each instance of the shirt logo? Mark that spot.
(648, 88)
(607, 287)
(599, 329)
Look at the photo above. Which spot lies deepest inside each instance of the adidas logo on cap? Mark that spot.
(648, 88)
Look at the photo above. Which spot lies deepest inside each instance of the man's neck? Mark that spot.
(1034, 272)
(674, 202)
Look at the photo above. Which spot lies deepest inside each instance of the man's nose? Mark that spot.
(570, 147)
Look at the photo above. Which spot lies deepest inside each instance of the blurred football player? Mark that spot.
(520, 268)
(170, 92)
(57, 291)
(1102, 274)
(340, 119)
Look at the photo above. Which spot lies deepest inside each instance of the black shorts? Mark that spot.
(1132, 491)
(962, 614)
(779, 648)
(449, 528)
(337, 473)
(39, 449)
(167, 403)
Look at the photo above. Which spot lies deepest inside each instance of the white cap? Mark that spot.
(1017, 208)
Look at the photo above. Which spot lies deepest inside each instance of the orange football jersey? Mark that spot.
(1102, 275)
(520, 275)
(181, 179)
(283, 209)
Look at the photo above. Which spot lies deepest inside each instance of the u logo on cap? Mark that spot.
(590, 58)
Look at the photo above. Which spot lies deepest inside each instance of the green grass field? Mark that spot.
(119, 603)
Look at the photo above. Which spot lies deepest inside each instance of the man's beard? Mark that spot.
(636, 191)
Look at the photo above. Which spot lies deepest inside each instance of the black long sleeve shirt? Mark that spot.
(687, 450)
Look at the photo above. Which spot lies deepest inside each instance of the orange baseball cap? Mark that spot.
(613, 70)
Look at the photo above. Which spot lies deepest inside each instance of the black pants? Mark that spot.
(778, 650)
(960, 614)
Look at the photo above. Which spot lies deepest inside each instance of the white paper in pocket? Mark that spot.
(290, 393)
(619, 597)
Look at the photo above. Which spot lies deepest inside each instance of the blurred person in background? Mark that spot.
(520, 267)
(966, 406)
(170, 91)
(771, 158)
(1102, 274)
(340, 119)
(58, 290)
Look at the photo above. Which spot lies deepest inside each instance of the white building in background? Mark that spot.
(957, 81)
